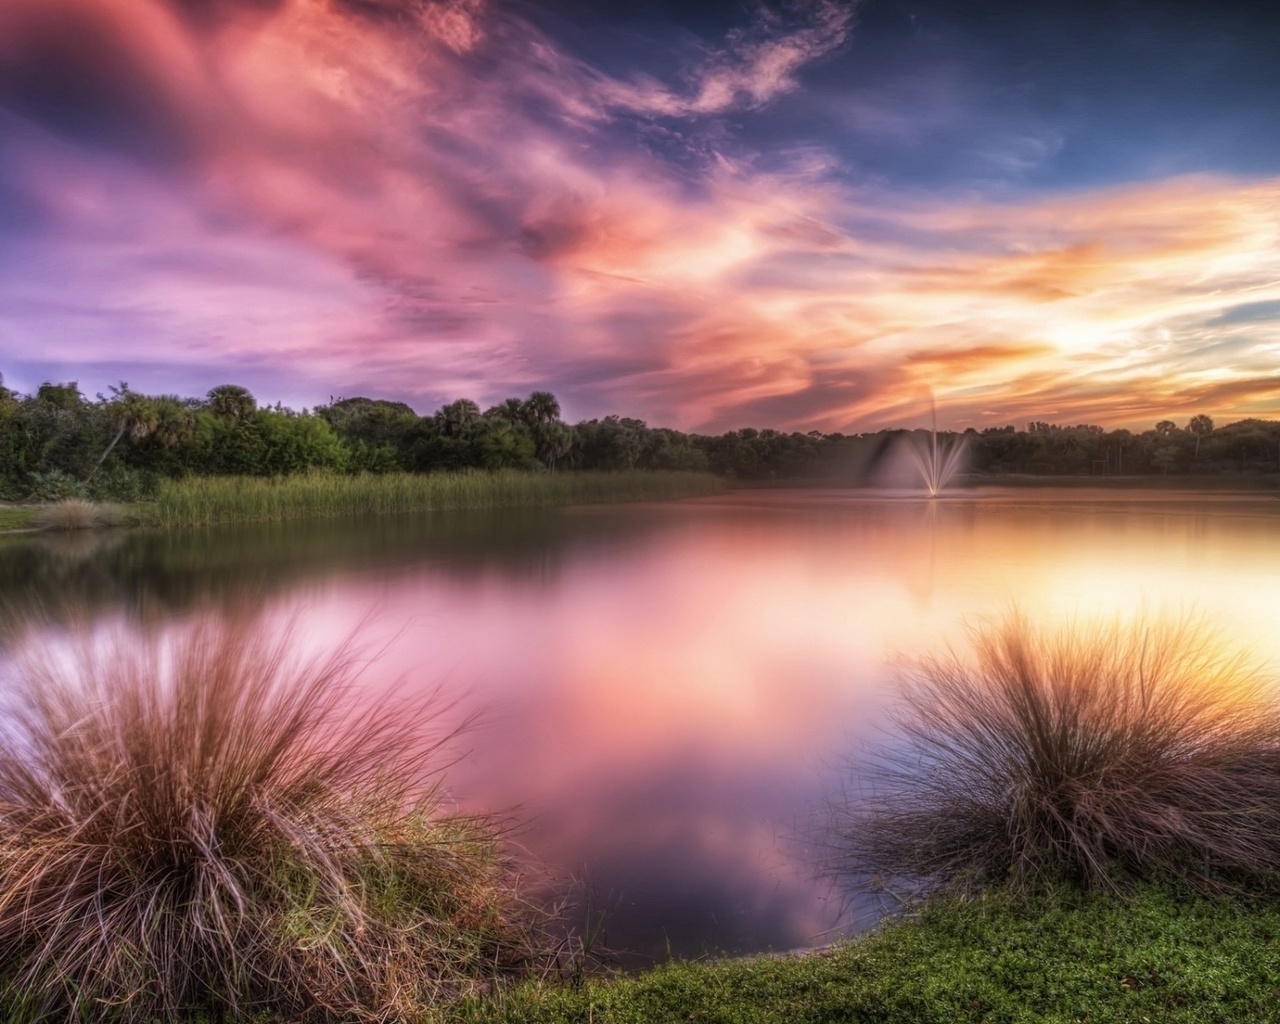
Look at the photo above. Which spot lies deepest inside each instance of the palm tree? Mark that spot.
(1201, 426)
(133, 414)
(554, 442)
(175, 421)
(457, 416)
(541, 407)
(231, 401)
(510, 410)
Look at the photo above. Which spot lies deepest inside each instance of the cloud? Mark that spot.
(755, 66)
(119, 76)
(423, 201)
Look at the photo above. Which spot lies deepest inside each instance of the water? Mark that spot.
(670, 691)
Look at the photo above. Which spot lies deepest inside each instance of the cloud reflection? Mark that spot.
(667, 690)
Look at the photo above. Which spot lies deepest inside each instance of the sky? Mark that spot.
(800, 214)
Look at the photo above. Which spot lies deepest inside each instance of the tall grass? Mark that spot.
(205, 501)
(211, 824)
(1090, 754)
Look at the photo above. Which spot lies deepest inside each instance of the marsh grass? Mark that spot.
(206, 501)
(78, 514)
(1094, 754)
(210, 824)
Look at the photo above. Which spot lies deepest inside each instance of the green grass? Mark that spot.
(18, 517)
(207, 501)
(1162, 955)
(88, 515)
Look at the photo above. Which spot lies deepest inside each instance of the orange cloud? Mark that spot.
(434, 200)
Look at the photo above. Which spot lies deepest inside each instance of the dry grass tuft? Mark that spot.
(1091, 754)
(78, 514)
(69, 514)
(211, 825)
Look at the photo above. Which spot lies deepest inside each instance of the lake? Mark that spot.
(670, 693)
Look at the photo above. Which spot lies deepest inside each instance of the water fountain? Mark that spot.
(908, 459)
(937, 459)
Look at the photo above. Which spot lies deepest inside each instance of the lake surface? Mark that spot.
(671, 692)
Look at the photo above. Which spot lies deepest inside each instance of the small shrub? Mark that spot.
(1091, 754)
(208, 825)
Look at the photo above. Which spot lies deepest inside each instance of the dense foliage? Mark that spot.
(58, 444)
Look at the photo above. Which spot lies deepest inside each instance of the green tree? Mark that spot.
(11, 442)
(1165, 457)
(496, 444)
(60, 396)
(375, 431)
(294, 443)
(60, 432)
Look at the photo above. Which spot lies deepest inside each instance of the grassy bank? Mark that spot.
(206, 501)
(1161, 955)
(18, 517)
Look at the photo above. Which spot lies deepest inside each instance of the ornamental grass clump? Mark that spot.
(210, 825)
(78, 514)
(1091, 755)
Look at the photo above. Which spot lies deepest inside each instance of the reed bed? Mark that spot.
(207, 501)
(210, 826)
(1091, 755)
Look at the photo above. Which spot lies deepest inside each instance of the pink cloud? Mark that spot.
(438, 201)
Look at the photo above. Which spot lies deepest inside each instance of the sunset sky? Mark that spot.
(800, 213)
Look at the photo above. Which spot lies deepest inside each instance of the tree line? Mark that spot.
(57, 443)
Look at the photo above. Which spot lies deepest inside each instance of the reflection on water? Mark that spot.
(669, 689)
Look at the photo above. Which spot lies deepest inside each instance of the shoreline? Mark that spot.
(18, 518)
